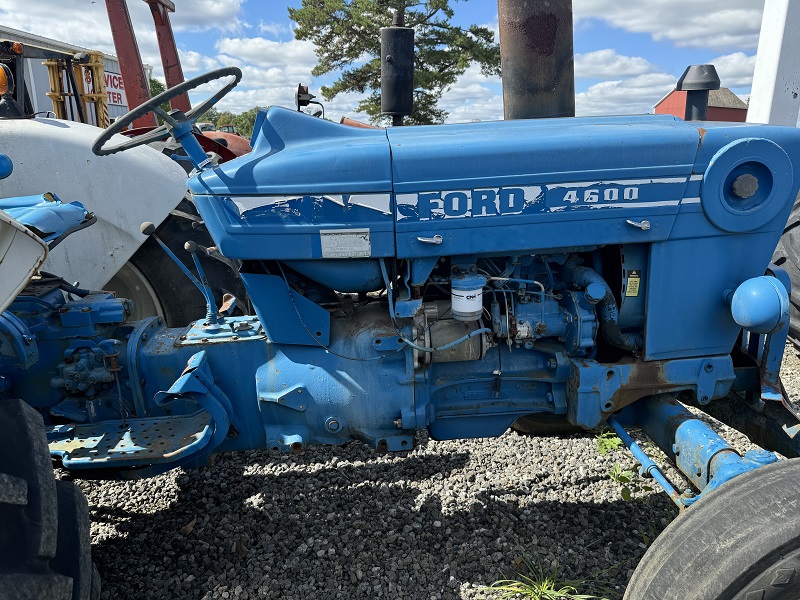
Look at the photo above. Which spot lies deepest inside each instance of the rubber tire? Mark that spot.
(787, 256)
(180, 300)
(739, 543)
(44, 531)
(74, 553)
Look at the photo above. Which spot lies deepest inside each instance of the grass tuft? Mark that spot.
(542, 584)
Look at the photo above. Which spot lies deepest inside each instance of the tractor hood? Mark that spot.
(294, 153)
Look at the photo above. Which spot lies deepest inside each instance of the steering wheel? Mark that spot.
(176, 123)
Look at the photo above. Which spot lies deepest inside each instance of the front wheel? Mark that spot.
(742, 542)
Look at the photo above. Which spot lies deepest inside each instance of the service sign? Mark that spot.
(115, 89)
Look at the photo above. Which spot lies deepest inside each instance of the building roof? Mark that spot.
(721, 98)
(724, 98)
(8, 33)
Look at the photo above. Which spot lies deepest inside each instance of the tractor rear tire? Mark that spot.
(162, 286)
(742, 542)
(787, 256)
(45, 549)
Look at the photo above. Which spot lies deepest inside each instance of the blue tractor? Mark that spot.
(461, 279)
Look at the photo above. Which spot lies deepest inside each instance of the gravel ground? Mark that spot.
(443, 522)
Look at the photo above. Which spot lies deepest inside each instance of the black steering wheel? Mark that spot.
(174, 120)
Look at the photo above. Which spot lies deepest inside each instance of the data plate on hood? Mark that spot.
(345, 243)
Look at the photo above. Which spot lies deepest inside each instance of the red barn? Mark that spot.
(723, 105)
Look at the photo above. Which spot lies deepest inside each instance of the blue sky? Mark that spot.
(628, 54)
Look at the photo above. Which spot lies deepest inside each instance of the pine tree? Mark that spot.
(346, 34)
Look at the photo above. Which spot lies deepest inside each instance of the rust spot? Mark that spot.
(702, 133)
(228, 301)
(354, 123)
(645, 379)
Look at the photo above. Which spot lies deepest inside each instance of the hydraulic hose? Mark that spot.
(608, 312)
(68, 288)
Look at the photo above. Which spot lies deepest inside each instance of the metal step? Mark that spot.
(133, 442)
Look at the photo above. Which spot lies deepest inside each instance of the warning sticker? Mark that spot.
(345, 243)
(634, 279)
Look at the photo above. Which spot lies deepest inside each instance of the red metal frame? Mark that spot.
(173, 72)
(137, 87)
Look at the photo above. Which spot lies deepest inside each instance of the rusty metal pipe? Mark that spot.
(536, 58)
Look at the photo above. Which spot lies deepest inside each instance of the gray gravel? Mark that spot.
(443, 522)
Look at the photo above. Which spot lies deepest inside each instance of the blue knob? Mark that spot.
(6, 166)
(761, 305)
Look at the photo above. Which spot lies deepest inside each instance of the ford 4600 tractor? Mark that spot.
(460, 279)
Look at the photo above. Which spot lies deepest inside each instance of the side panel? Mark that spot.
(310, 189)
(533, 185)
(690, 272)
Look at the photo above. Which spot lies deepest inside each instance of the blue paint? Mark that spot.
(45, 214)
(705, 459)
(760, 305)
(6, 166)
(761, 159)
(603, 250)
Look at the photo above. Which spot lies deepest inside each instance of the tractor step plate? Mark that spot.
(133, 442)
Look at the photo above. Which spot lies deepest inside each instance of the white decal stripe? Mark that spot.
(690, 201)
(634, 204)
(377, 202)
(696, 178)
(622, 182)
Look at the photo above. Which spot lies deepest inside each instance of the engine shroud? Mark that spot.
(325, 196)
(592, 260)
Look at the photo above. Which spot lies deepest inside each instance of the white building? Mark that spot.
(37, 80)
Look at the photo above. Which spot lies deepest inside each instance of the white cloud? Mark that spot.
(273, 68)
(72, 21)
(474, 97)
(276, 30)
(635, 95)
(206, 15)
(194, 63)
(635, 90)
(262, 52)
(607, 63)
(271, 71)
(86, 23)
(735, 70)
(695, 23)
